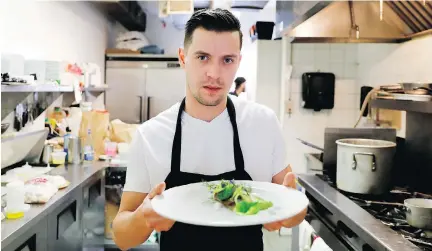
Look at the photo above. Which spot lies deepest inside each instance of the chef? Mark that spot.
(206, 136)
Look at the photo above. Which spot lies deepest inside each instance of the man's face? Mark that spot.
(211, 61)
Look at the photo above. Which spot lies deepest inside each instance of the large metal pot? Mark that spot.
(364, 165)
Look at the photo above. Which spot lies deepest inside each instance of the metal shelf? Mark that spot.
(97, 89)
(47, 88)
(403, 105)
(35, 88)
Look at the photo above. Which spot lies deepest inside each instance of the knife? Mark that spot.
(311, 145)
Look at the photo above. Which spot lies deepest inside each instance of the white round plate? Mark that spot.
(191, 204)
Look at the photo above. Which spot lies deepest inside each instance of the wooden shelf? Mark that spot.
(403, 105)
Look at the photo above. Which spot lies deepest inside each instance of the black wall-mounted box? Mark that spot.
(318, 90)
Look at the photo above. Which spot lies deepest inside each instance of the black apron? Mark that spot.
(186, 237)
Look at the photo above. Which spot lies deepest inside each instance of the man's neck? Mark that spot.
(202, 112)
(238, 92)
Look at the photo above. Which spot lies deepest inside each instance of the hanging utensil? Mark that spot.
(25, 116)
(35, 108)
(18, 117)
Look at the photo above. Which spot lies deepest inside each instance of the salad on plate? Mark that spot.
(237, 197)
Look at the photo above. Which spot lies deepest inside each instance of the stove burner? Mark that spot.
(389, 209)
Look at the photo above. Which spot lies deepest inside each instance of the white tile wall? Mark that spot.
(354, 65)
(309, 125)
(342, 60)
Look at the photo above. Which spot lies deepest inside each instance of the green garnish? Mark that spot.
(237, 197)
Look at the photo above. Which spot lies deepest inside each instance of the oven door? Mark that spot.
(324, 231)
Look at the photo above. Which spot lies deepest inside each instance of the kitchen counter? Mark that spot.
(78, 176)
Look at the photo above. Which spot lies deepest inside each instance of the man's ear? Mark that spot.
(182, 57)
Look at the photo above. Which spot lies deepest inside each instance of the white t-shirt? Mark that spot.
(207, 147)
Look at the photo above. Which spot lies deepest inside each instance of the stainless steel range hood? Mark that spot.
(360, 22)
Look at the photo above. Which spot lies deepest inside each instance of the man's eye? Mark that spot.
(228, 60)
(202, 58)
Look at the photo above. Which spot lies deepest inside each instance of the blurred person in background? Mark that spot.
(240, 86)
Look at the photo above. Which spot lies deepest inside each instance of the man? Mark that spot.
(240, 86)
(207, 136)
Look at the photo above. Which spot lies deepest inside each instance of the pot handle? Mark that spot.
(354, 164)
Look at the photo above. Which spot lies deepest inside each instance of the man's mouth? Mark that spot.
(212, 89)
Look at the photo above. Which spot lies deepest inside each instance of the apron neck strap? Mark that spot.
(176, 147)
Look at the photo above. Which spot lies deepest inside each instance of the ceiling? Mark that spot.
(362, 21)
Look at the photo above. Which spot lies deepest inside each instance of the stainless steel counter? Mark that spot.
(357, 220)
(77, 175)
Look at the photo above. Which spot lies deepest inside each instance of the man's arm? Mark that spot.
(129, 226)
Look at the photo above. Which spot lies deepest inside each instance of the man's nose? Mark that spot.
(213, 71)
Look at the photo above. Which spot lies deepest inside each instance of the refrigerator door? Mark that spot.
(126, 97)
(164, 88)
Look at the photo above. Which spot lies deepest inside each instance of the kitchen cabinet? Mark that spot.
(34, 239)
(93, 217)
(64, 224)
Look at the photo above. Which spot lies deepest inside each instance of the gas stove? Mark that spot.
(389, 210)
(355, 222)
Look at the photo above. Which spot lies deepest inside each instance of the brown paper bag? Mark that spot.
(122, 132)
(98, 122)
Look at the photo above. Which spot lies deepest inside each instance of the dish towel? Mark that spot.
(320, 245)
(305, 236)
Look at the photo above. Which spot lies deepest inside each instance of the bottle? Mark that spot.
(88, 147)
(66, 141)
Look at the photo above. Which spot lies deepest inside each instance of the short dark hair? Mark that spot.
(238, 81)
(218, 20)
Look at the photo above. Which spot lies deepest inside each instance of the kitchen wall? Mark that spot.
(54, 30)
(354, 65)
(70, 31)
(342, 60)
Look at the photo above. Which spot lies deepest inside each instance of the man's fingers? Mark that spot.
(156, 190)
(295, 220)
(289, 180)
(273, 226)
(160, 224)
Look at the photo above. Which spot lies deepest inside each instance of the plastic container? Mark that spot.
(111, 149)
(15, 200)
(58, 158)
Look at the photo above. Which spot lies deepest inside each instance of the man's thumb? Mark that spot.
(289, 180)
(158, 189)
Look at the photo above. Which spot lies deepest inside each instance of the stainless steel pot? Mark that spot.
(419, 212)
(364, 165)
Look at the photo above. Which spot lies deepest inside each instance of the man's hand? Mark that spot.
(288, 181)
(154, 220)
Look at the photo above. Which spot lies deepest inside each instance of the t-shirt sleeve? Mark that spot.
(137, 177)
(279, 149)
